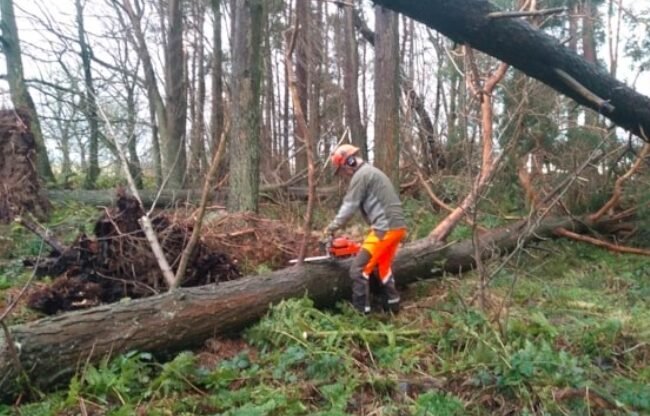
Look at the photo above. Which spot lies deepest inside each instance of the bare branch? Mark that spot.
(513, 14)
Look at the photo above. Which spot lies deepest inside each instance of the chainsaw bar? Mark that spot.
(316, 259)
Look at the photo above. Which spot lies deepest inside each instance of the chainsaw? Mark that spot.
(336, 249)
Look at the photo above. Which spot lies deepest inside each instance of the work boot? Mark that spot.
(390, 297)
(360, 283)
(392, 306)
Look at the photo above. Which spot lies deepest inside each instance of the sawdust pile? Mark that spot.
(19, 185)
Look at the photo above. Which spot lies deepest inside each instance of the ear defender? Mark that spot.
(351, 161)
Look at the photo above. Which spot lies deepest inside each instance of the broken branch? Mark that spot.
(545, 12)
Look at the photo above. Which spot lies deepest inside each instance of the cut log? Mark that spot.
(52, 349)
(535, 53)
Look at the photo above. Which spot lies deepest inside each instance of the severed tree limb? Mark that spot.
(488, 165)
(42, 232)
(585, 92)
(434, 198)
(530, 50)
(530, 13)
(563, 232)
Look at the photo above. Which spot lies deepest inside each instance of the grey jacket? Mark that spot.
(373, 194)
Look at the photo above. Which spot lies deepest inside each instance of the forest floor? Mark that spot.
(563, 328)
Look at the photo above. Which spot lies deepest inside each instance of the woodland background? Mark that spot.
(246, 100)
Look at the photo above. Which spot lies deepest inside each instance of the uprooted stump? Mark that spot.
(20, 189)
(118, 262)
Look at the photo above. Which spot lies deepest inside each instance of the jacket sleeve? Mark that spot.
(351, 202)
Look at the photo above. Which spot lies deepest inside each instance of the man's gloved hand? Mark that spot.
(327, 233)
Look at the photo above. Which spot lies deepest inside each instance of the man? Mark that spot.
(371, 192)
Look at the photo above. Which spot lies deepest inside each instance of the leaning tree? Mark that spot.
(483, 26)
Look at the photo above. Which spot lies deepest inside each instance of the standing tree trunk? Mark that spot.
(217, 112)
(589, 49)
(572, 114)
(132, 143)
(351, 83)
(198, 161)
(159, 131)
(269, 159)
(176, 90)
(245, 133)
(19, 94)
(302, 77)
(387, 93)
(88, 101)
(535, 53)
(317, 57)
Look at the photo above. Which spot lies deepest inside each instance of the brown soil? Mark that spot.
(19, 185)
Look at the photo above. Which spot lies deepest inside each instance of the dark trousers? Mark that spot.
(361, 286)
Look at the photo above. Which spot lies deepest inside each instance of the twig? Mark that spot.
(545, 12)
(42, 232)
(618, 186)
(11, 345)
(13, 351)
(601, 243)
(189, 248)
(585, 92)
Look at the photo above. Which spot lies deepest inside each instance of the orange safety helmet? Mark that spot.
(342, 153)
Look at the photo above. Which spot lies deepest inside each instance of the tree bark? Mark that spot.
(132, 138)
(218, 109)
(351, 82)
(387, 93)
(198, 160)
(176, 91)
(89, 101)
(186, 317)
(245, 132)
(532, 51)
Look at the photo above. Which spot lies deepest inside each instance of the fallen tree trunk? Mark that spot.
(52, 349)
(169, 198)
(535, 53)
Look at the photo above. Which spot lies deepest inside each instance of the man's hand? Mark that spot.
(327, 233)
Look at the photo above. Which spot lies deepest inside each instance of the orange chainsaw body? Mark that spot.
(343, 247)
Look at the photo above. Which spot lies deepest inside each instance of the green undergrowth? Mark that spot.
(564, 330)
